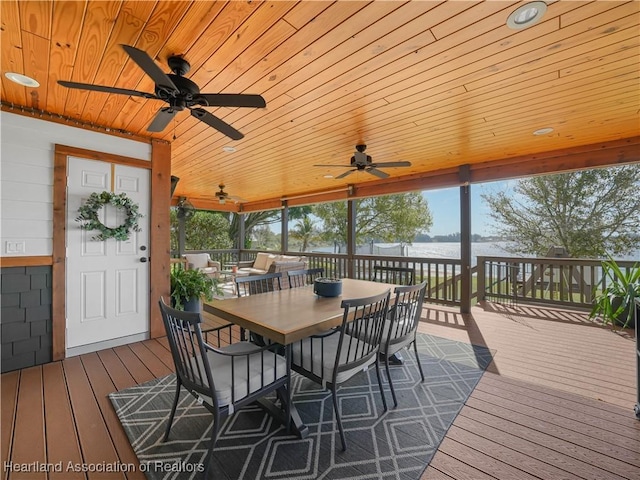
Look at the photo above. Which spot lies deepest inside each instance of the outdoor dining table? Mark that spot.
(286, 316)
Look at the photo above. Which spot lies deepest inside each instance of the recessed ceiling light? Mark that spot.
(543, 131)
(526, 15)
(228, 148)
(22, 79)
(328, 176)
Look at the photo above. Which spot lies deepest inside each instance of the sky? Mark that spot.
(444, 205)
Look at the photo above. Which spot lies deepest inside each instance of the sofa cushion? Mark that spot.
(270, 260)
(261, 261)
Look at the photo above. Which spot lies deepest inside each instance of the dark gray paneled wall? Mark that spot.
(25, 316)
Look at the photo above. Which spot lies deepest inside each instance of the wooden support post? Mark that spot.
(351, 237)
(284, 232)
(465, 239)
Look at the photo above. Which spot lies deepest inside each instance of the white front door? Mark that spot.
(107, 292)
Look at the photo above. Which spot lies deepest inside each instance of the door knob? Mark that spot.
(143, 259)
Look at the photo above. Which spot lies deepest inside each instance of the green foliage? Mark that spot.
(616, 302)
(187, 284)
(391, 218)
(251, 221)
(88, 215)
(304, 232)
(588, 213)
(263, 238)
(204, 230)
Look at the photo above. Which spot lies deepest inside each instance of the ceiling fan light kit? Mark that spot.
(223, 196)
(363, 162)
(179, 92)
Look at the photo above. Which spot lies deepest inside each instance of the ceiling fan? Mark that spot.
(362, 162)
(224, 196)
(179, 92)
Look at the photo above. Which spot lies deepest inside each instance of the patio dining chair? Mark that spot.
(331, 358)
(395, 275)
(224, 377)
(301, 278)
(255, 284)
(402, 328)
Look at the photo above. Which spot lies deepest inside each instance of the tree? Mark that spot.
(392, 218)
(304, 231)
(204, 230)
(589, 213)
(257, 219)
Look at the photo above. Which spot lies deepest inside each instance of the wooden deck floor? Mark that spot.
(556, 403)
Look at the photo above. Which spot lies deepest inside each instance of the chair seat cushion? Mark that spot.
(261, 371)
(325, 348)
(198, 260)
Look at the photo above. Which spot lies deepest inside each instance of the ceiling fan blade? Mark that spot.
(377, 173)
(213, 121)
(101, 88)
(231, 100)
(341, 166)
(391, 164)
(348, 172)
(162, 119)
(146, 63)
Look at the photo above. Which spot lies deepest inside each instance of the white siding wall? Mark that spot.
(26, 177)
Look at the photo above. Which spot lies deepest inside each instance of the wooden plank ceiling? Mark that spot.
(438, 84)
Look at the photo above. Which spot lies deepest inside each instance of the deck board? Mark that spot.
(551, 443)
(93, 434)
(517, 424)
(508, 453)
(120, 376)
(9, 392)
(28, 437)
(136, 367)
(102, 387)
(59, 419)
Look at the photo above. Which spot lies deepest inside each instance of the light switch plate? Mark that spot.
(14, 247)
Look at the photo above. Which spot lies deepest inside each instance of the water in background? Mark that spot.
(452, 250)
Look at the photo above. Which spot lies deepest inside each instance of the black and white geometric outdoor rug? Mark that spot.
(397, 444)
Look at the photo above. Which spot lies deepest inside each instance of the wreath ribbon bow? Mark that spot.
(88, 215)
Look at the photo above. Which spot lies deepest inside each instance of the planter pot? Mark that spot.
(327, 287)
(622, 318)
(191, 305)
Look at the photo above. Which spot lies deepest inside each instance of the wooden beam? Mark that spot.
(36, 261)
(159, 239)
(58, 269)
(103, 157)
(607, 154)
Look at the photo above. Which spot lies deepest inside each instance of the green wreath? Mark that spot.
(88, 215)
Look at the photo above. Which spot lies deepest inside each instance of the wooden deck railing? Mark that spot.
(559, 281)
(442, 274)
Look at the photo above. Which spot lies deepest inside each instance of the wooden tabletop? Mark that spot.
(291, 314)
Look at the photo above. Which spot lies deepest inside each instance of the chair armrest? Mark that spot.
(215, 264)
(245, 264)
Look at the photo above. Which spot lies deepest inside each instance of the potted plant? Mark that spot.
(188, 286)
(615, 303)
